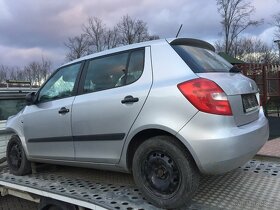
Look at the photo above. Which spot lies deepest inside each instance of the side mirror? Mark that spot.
(30, 98)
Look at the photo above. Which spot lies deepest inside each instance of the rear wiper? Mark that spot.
(234, 69)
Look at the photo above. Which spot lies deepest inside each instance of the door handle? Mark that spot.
(129, 99)
(63, 110)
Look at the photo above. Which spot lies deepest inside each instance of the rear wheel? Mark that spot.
(16, 158)
(165, 172)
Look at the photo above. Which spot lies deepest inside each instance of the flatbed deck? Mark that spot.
(253, 186)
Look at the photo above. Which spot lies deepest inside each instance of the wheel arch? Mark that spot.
(14, 126)
(143, 135)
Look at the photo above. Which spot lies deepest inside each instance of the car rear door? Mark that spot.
(47, 124)
(112, 92)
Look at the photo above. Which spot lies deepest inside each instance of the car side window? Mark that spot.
(61, 84)
(135, 67)
(104, 73)
(114, 71)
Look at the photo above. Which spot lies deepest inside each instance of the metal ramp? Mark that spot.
(253, 186)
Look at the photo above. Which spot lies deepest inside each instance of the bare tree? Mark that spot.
(277, 24)
(95, 31)
(32, 71)
(141, 31)
(253, 50)
(97, 37)
(111, 38)
(132, 31)
(219, 46)
(12, 73)
(235, 19)
(46, 65)
(78, 46)
(3, 73)
(20, 75)
(37, 72)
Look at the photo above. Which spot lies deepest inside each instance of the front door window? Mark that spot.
(61, 84)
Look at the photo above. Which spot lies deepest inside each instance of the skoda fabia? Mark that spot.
(164, 110)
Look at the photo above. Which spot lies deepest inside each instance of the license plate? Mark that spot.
(250, 102)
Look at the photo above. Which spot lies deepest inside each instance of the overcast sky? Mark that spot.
(30, 29)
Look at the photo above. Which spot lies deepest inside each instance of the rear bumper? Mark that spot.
(218, 145)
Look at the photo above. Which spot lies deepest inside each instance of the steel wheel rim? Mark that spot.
(15, 157)
(161, 173)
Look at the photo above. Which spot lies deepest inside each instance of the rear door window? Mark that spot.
(135, 67)
(201, 60)
(114, 71)
(104, 73)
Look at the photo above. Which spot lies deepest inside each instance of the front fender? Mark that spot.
(14, 124)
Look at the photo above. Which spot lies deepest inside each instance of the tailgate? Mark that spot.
(242, 93)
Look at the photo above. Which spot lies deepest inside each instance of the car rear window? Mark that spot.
(201, 60)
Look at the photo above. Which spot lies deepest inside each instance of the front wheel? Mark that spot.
(165, 172)
(16, 158)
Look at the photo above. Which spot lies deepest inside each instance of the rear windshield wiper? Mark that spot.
(235, 69)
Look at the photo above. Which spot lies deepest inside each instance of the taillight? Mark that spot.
(206, 96)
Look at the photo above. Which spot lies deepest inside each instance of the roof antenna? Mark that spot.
(179, 30)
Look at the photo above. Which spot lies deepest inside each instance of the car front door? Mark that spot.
(47, 123)
(113, 91)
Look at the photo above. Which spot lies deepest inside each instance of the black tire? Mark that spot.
(165, 172)
(16, 158)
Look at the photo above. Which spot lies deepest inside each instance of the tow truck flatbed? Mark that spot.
(87, 188)
(253, 186)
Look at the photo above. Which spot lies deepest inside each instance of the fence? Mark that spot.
(267, 78)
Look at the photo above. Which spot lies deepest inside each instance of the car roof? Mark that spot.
(118, 49)
(175, 41)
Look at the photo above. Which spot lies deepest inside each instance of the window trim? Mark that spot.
(75, 88)
(86, 65)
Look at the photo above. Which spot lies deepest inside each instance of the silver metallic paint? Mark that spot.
(103, 113)
(217, 143)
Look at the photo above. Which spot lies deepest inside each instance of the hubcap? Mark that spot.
(161, 173)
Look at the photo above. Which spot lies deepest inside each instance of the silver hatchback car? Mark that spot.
(165, 110)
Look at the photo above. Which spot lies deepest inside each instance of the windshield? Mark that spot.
(201, 60)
